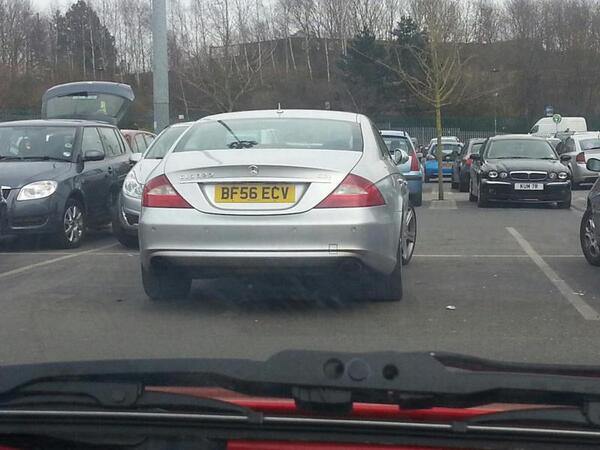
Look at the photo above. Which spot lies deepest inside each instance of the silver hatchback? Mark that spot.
(269, 191)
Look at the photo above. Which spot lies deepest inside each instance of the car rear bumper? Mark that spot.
(582, 175)
(556, 191)
(415, 182)
(432, 170)
(312, 240)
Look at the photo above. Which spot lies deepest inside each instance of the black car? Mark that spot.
(519, 168)
(590, 223)
(461, 167)
(57, 175)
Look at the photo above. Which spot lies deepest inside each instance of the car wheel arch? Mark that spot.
(78, 195)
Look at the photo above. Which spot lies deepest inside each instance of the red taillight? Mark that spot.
(414, 162)
(580, 158)
(353, 192)
(160, 193)
(468, 162)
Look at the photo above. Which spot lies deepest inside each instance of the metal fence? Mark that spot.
(425, 134)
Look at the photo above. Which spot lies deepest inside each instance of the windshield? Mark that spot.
(515, 148)
(588, 144)
(396, 142)
(163, 143)
(102, 107)
(476, 148)
(446, 148)
(284, 134)
(31, 143)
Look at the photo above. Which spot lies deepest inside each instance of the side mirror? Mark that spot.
(93, 155)
(135, 157)
(475, 157)
(400, 156)
(593, 164)
(565, 158)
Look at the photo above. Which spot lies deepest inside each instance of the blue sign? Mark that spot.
(549, 110)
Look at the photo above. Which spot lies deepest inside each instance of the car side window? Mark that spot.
(149, 138)
(140, 143)
(91, 140)
(112, 143)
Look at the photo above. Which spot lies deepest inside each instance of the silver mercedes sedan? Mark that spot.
(305, 191)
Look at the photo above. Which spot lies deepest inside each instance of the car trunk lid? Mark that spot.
(258, 181)
(88, 100)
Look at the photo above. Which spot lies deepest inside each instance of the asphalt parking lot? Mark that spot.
(505, 282)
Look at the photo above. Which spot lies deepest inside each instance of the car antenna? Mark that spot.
(279, 110)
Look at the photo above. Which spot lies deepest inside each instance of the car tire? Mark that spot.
(426, 177)
(409, 238)
(482, 200)
(126, 240)
(472, 197)
(575, 186)
(455, 185)
(166, 284)
(588, 238)
(386, 287)
(73, 225)
(417, 199)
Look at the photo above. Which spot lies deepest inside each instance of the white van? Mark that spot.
(545, 127)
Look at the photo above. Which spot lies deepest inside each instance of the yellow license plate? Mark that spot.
(447, 165)
(255, 193)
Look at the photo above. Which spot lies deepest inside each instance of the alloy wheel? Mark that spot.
(589, 239)
(410, 235)
(73, 223)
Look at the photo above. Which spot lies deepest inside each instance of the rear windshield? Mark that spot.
(446, 148)
(397, 142)
(163, 143)
(589, 144)
(475, 148)
(520, 148)
(30, 143)
(102, 107)
(284, 133)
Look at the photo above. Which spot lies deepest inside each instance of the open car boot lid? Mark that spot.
(88, 100)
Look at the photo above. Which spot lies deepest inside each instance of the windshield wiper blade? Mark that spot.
(101, 395)
(333, 381)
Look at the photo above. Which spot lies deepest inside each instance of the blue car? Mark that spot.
(412, 170)
(450, 150)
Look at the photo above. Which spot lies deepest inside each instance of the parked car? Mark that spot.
(450, 150)
(546, 127)
(589, 232)
(412, 170)
(138, 140)
(59, 175)
(313, 191)
(444, 139)
(129, 203)
(461, 166)
(519, 168)
(580, 147)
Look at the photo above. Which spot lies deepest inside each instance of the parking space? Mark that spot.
(473, 287)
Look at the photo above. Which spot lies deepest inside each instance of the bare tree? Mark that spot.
(439, 66)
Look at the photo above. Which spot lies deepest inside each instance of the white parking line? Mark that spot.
(53, 260)
(493, 256)
(576, 301)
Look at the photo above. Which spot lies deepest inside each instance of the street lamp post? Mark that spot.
(160, 65)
